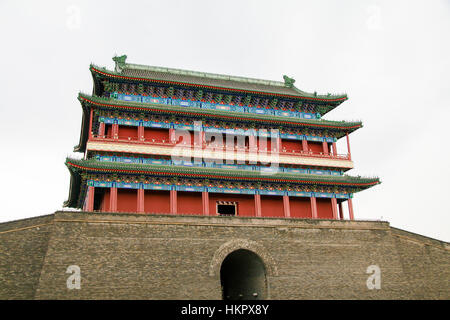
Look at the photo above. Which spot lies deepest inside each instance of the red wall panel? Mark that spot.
(272, 206)
(180, 137)
(156, 201)
(235, 140)
(157, 134)
(291, 145)
(324, 209)
(126, 132)
(261, 146)
(300, 207)
(126, 200)
(189, 202)
(315, 147)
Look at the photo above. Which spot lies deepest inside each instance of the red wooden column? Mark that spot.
(305, 145)
(205, 202)
(113, 199)
(203, 137)
(101, 130)
(90, 122)
(325, 147)
(278, 147)
(348, 148)
(341, 211)
(314, 207)
(334, 208)
(334, 148)
(173, 201)
(258, 204)
(350, 208)
(253, 148)
(198, 138)
(286, 206)
(172, 135)
(90, 199)
(198, 146)
(140, 200)
(252, 143)
(115, 131)
(141, 132)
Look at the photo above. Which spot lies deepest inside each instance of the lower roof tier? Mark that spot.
(83, 171)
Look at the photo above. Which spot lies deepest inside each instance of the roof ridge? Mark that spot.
(208, 75)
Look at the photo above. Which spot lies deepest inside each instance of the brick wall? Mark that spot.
(124, 256)
(23, 245)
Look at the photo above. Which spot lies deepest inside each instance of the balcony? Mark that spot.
(127, 144)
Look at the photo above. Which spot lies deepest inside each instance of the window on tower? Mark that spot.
(226, 208)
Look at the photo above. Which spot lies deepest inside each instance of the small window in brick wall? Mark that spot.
(226, 208)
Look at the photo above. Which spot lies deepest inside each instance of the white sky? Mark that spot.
(391, 57)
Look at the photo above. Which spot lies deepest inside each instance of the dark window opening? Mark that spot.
(226, 209)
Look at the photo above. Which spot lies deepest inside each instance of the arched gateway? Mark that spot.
(243, 276)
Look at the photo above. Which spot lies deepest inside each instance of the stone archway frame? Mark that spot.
(236, 244)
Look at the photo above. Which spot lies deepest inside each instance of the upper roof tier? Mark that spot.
(137, 72)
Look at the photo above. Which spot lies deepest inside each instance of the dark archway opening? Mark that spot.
(243, 276)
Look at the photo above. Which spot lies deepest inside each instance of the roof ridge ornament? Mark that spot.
(120, 62)
(288, 82)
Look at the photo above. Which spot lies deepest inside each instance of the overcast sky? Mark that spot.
(392, 58)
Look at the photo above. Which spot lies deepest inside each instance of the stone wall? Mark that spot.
(23, 245)
(125, 256)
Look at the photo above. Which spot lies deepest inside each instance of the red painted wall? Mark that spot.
(126, 200)
(246, 203)
(272, 206)
(181, 134)
(235, 140)
(157, 134)
(125, 132)
(300, 207)
(156, 201)
(324, 209)
(212, 138)
(189, 202)
(290, 145)
(269, 144)
(315, 147)
(104, 204)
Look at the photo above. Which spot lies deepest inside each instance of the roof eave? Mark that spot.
(81, 147)
(96, 88)
(273, 119)
(74, 189)
(87, 165)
